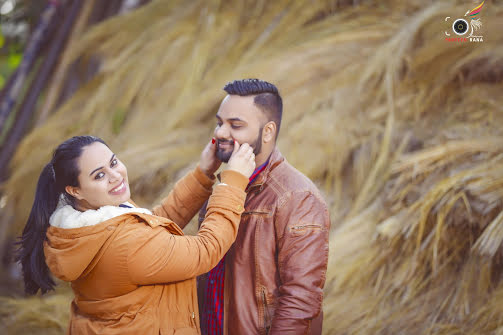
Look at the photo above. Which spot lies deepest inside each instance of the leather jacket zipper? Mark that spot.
(305, 226)
(267, 323)
(257, 212)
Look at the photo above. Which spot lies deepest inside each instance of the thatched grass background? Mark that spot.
(401, 130)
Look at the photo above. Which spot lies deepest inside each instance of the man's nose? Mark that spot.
(222, 132)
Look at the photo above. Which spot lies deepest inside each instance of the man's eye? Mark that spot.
(114, 162)
(235, 126)
(99, 175)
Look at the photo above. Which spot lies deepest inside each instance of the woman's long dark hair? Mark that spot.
(60, 172)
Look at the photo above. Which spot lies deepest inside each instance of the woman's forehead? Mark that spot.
(94, 156)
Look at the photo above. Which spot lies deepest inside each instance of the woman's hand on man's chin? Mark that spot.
(209, 162)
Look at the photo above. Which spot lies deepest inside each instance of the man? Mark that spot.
(271, 280)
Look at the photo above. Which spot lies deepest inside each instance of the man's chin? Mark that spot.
(224, 156)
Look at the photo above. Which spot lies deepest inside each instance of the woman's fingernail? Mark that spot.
(213, 140)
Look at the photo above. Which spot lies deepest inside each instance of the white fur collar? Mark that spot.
(65, 216)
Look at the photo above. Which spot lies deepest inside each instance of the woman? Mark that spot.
(132, 270)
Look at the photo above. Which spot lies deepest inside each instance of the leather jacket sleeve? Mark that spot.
(186, 198)
(303, 230)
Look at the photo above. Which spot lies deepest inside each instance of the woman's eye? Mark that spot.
(114, 162)
(99, 175)
(235, 126)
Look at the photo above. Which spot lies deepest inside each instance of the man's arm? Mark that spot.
(302, 261)
(186, 198)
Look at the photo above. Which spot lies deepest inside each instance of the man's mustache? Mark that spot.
(225, 141)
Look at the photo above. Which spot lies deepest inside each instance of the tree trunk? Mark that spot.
(39, 82)
(30, 55)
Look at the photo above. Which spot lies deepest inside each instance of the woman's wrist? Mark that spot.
(206, 172)
(234, 178)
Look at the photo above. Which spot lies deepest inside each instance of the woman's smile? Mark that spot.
(119, 189)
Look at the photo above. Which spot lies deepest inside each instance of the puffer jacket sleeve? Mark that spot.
(186, 198)
(157, 256)
(304, 223)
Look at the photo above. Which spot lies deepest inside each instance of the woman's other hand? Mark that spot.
(209, 163)
(242, 159)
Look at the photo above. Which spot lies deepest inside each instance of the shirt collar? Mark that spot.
(257, 171)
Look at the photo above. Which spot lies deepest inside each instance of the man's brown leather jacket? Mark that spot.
(275, 271)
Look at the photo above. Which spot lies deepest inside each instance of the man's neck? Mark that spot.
(263, 156)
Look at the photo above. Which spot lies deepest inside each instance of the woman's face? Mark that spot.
(103, 179)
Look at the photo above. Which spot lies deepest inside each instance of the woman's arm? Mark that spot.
(156, 256)
(190, 193)
(186, 198)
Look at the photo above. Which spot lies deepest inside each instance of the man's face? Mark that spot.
(238, 119)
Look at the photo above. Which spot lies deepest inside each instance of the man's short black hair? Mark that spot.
(267, 97)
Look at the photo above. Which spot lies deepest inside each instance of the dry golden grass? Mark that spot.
(35, 315)
(401, 130)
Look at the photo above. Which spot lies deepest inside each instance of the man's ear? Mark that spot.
(74, 192)
(269, 132)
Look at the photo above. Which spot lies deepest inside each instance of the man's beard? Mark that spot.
(224, 156)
